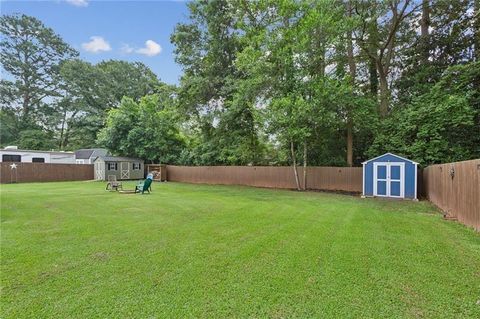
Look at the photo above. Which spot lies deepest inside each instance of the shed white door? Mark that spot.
(99, 171)
(125, 171)
(388, 179)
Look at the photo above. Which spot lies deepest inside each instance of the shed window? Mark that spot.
(11, 158)
(112, 166)
(38, 160)
(136, 166)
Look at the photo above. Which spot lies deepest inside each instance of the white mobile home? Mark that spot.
(12, 154)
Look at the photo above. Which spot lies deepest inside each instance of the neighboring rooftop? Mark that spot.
(119, 159)
(87, 153)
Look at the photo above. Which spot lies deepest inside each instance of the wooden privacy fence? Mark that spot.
(455, 189)
(348, 179)
(43, 172)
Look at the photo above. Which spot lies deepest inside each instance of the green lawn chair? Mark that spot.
(146, 185)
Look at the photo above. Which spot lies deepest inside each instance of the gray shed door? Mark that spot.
(125, 171)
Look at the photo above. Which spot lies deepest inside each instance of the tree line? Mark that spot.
(324, 82)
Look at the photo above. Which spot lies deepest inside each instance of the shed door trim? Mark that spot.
(388, 179)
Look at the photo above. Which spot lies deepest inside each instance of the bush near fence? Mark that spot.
(44, 172)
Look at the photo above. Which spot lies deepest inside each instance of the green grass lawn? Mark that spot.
(73, 250)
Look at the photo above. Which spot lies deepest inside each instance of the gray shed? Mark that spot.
(121, 167)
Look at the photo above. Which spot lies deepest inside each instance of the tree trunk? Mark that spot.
(424, 25)
(384, 93)
(321, 65)
(476, 29)
(373, 77)
(372, 62)
(25, 107)
(294, 161)
(351, 58)
(66, 136)
(62, 130)
(305, 166)
(60, 144)
(349, 142)
(353, 73)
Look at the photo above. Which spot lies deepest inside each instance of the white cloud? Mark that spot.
(96, 44)
(78, 3)
(151, 48)
(126, 49)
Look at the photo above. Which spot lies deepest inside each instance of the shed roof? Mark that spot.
(119, 159)
(403, 158)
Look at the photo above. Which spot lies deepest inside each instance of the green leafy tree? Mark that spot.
(36, 139)
(288, 62)
(446, 39)
(8, 126)
(442, 125)
(383, 29)
(31, 54)
(218, 113)
(146, 129)
(303, 78)
(92, 90)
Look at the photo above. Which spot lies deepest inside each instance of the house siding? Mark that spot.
(137, 174)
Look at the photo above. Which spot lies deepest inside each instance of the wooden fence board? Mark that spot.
(44, 172)
(318, 178)
(457, 195)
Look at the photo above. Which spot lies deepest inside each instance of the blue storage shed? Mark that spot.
(390, 175)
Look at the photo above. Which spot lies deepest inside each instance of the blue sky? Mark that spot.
(126, 30)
